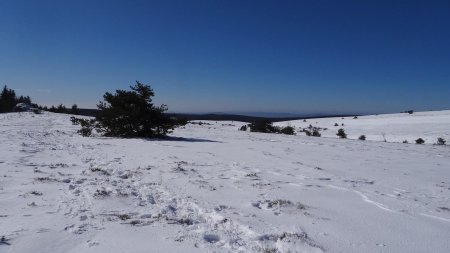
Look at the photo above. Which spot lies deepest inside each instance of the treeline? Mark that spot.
(9, 100)
(63, 109)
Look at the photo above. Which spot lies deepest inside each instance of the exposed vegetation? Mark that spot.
(420, 141)
(263, 126)
(341, 133)
(9, 101)
(129, 114)
(312, 131)
(289, 130)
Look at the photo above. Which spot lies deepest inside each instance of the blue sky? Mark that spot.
(232, 56)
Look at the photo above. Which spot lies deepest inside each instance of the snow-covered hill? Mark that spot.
(390, 127)
(211, 188)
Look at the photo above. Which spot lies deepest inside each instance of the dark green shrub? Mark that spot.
(316, 133)
(287, 130)
(420, 141)
(263, 126)
(362, 137)
(341, 133)
(87, 125)
(440, 141)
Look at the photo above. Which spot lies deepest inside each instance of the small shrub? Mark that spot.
(36, 111)
(405, 141)
(243, 128)
(410, 112)
(420, 141)
(440, 141)
(304, 120)
(87, 125)
(287, 130)
(336, 124)
(263, 126)
(356, 117)
(307, 132)
(316, 133)
(341, 133)
(362, 137)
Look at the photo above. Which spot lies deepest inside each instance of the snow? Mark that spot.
(390, 127)
(212, 188)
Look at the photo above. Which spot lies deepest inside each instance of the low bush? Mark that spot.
(362, 137)
(440, 141)
(243, 128)
(287, 130)
(87, 125)
(341, 133)
(420, 141)
(263, 126)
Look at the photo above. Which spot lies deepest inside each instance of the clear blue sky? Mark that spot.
(209, 56)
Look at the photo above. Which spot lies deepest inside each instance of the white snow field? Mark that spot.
(385, 127)
(212, 188)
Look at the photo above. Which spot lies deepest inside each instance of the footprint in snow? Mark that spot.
(211, 238)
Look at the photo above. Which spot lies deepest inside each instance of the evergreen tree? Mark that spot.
(7, 100)
(74, 109)
(25, 100)
(130, 114)
(61, 109)
(341, 133)
(263, 126)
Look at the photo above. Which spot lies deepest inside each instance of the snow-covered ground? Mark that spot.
(212, 188)
(390, 127)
